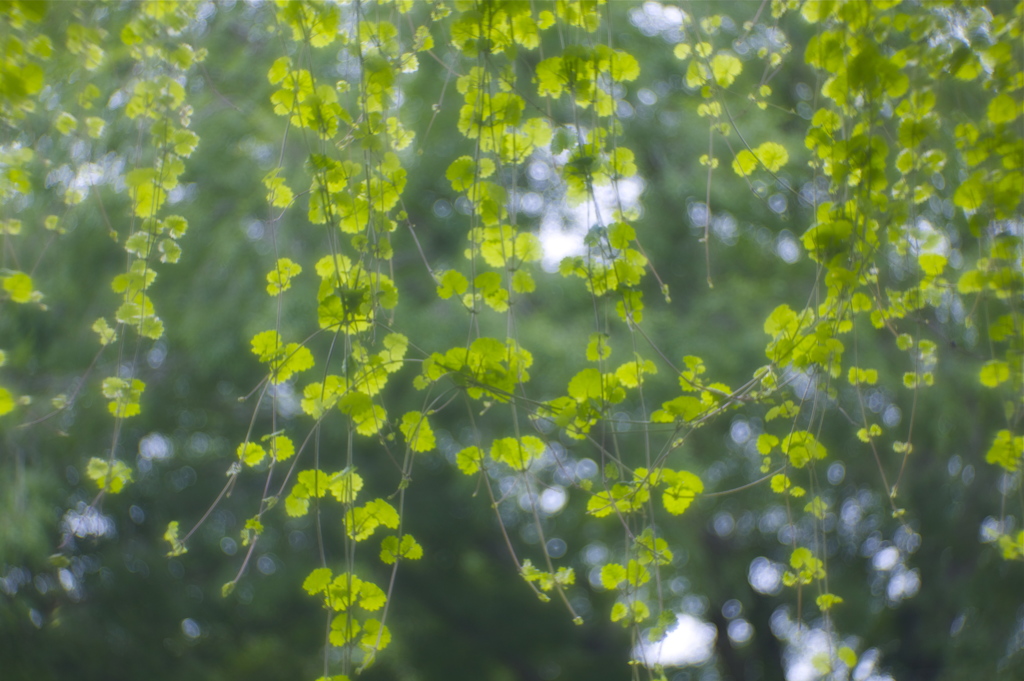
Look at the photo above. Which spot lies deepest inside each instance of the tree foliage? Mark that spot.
(403, 159)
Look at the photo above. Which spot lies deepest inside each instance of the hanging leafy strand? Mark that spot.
(155, 102)
(352, 140)
(22, 76)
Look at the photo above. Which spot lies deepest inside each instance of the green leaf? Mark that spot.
(637, 573)
(371, 596)
(18, 286)
(253, 528)
(7, 402)
(279, 279)
(683, 487)
(631, 374)
(825, 603)
(772, 156)
(994, 372)
(391, 550)
(634, 613)
(282, 448)
(612, 575)
(417, 432)
(846, 655)
(345, 486)
(620, 235)
(314, 482)
(452, 283)
(108, 476)
(586, 385)
(816, 11)
(296, 506)
(464, 172)
(343, 629)
(1003, 109)
(266, 345)
(522, 282)
(317, 581)
(971, 193)
(744, 163)
(251, 453)
(801, 447)
(932, 264)
(858, 376)
(518, 454)
(597, 347)
(65, 123)
(361, 522)
(725, 67)
(683, 408)
(124, 396)
(284, 360)
(1006, 451)
(171, 537)
(469, 460)
(375, 637)
(780, 483)
(817, 507)
(107, 335)
(766, 442)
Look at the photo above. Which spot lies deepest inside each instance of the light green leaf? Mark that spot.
(725, 67)
(1003, 109)
(317, 581)
(801, 447)
(392, 550)
(452, 283)
(612, 575)
(111, 477)
(171, 537)
(7, 402)
(744, 163)
(279, 279)
(251, 453)
(417, 432)
(1006, 450)
(586, 385)
(518, 454)
(683, 487)
(846, 655)
(124, 396)
(469, 460)
(994, 372)
(597, 347)
(18, 286)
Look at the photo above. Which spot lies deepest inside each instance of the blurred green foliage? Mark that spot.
(86, 588)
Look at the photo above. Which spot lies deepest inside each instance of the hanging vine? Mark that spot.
(541, 84)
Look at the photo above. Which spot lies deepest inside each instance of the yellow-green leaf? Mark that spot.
(251, 453)
(1003, 109)
(994, 372)
(111, 477)
(725, 67)
(469, 460)
(1006, 450)
(171, 537)
(417, 432)
(18, 286)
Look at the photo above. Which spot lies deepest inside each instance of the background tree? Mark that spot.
(701, 314)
